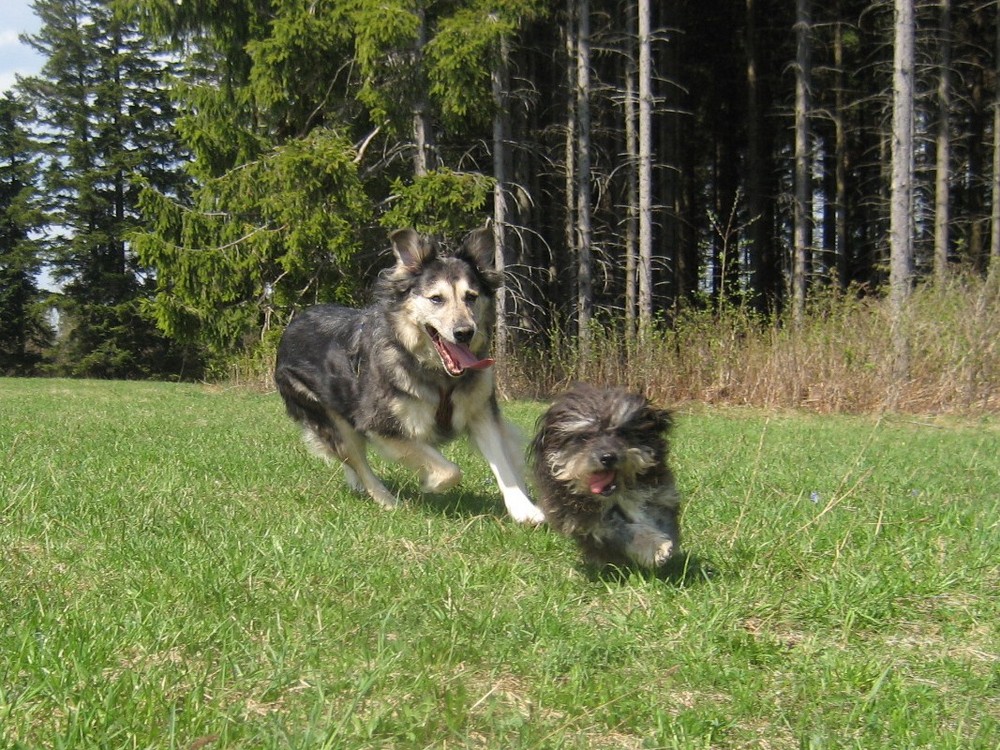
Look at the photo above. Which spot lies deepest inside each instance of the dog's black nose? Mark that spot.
(608, 460)
(464, 335)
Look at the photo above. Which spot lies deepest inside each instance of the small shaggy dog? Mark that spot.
(599, 458)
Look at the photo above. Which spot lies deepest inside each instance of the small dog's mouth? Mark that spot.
(603, 483)
(456, 358)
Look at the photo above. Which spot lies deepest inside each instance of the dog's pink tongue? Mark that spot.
(600, 481)
(464, 358)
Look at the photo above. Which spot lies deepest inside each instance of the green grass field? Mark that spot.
(176, 571)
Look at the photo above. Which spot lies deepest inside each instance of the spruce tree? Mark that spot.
(23, 331)
(104, 124)
(279, 207)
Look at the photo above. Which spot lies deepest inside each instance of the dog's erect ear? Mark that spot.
(412, 249)
(478, 248)
(662, 418)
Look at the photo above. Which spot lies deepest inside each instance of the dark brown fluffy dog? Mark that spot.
(599, 458)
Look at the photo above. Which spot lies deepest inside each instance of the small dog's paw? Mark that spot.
(664, 552)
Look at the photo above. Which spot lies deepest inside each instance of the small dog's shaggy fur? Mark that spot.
(599, 459)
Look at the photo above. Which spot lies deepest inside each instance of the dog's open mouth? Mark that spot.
(603, 483)
(457, 358)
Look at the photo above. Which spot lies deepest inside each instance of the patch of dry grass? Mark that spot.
(838, 360)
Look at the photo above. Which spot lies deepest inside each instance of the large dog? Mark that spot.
(600, 464)
(407, 373)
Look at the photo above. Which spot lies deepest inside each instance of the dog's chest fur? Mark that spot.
(434, 412)
(405, 398)
(582, 514)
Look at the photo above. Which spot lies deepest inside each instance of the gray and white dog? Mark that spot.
(600, 466)
(407, 373)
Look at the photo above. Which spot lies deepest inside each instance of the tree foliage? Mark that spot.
(23, 330)
(268, 232)
(306, 129)
(104, 123)
(442, 202)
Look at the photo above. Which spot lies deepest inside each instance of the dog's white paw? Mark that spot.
(525, 512)
(352, 480)
(377, 491)
(385, 498)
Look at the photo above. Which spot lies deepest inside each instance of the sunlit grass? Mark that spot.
(177, 571)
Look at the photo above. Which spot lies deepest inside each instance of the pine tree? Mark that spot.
(105, 128)
(310, 126)
(23, 331)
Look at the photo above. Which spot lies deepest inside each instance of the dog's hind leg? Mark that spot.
(495, 439)
(348, 445)
(318, 447)
(437, 473)
(330, 435)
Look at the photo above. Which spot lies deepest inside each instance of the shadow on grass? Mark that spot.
(682, 571)
(457, 504)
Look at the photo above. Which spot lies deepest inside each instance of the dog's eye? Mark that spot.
(436, 299)
(471, 297)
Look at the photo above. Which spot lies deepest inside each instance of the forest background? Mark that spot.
(761, 202)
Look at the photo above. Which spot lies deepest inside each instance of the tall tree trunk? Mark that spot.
(942, 175)
(975, 168)
(755, 176)
(901, 196)
(117, 249)
(840, 150)
(423, 133)
(828, 176)
(569, 145)
(765, 283)
(645, 171)
(675, 241)
(632, 160)
(994, 268)
(584, 302)
(802, 176)
(499, 80)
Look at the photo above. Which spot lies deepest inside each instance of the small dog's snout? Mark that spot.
(464, 334)
(608, 460)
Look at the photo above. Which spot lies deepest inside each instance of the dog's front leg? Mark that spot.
(358, 473)
(649, 546)
(495, 440)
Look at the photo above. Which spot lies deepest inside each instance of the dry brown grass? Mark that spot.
(837, 360)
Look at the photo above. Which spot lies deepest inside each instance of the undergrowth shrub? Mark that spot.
(837, 359)
(254, 369)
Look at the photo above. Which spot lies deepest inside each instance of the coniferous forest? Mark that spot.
(181, 177)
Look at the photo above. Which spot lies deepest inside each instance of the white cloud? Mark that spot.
(9, 38)
(15, 57)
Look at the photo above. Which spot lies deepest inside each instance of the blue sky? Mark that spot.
(16, 18)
